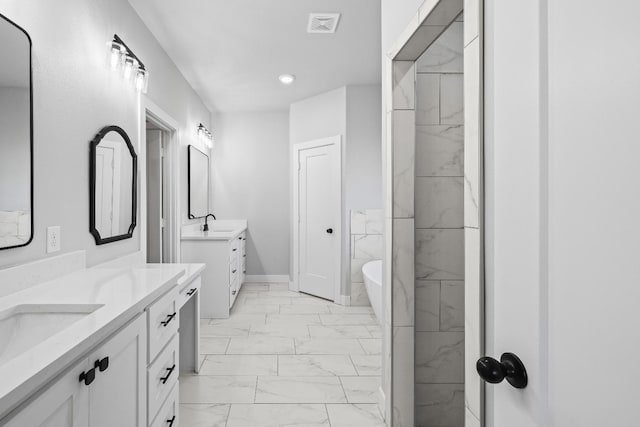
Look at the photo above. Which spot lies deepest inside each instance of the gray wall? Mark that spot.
(76, 94)
(250, 173)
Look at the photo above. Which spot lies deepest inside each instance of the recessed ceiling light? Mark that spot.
(287, 79)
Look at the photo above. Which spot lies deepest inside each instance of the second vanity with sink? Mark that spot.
(223, 250)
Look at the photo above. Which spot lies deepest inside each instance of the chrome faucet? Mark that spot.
(206, 226)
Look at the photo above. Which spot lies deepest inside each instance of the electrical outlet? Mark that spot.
(53, 239)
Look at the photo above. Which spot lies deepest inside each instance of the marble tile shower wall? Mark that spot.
(366, 245)
(439, 233)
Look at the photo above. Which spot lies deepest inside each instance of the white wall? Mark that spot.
(354, 113)
(250, 172)
(14, 149)
(75, 95)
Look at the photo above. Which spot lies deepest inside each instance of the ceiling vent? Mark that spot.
(323, 23)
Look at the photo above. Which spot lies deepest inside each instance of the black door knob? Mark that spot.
(330, 230)
(510, 367)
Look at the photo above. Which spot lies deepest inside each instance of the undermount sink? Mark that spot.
(24, 326)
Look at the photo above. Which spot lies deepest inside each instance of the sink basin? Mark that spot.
(24, 326)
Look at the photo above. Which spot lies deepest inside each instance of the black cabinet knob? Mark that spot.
(329, 230)
(510, 367)
(88, 376)
(102, 364)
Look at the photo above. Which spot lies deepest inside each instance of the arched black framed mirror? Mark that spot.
(113, 186)
(16, 136)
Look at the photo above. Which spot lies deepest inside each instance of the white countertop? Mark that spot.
(123, 292)
(218, 230)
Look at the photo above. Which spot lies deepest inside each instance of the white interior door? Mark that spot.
(154, 197)
(319, 199)
(563, 202)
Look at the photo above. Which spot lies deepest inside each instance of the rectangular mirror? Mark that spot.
(198, 183)
(16, 137)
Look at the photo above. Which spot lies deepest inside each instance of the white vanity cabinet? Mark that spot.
(224, 253)
(64, 404)
(114, 396)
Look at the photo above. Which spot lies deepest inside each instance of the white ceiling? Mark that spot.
(232, 51)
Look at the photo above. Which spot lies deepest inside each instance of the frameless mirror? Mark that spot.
(16, 137)
(198, 183)
(113, 186)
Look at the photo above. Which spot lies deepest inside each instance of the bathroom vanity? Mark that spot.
(96, 347)
(223, 250)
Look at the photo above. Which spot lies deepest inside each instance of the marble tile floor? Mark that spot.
(285, 359)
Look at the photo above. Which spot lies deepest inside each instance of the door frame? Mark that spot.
(431, 19)
(152, 112)
(336, 143)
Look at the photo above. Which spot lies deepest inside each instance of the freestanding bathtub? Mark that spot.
(372, 272)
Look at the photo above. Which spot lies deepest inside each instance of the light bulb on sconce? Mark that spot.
(115, 57)
(129, 64)
(142, 80)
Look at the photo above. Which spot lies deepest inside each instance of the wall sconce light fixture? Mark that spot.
(205, 136)
(122, 57)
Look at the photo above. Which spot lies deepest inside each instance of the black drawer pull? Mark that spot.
(234, 249)
(192, 291)
(171, 421)
(233, 293)
(244, 256)
(102, 365)
(233, 271)
(88, 376)
(169, 319)
(169, 372)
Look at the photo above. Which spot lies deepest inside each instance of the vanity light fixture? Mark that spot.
(287, 79)
(121, 56)
(205, 136)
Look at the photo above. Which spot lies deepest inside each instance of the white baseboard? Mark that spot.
(381, 402)
(343, 300)
(256, 278)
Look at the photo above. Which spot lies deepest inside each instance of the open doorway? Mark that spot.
(160, 196)
(158, 211)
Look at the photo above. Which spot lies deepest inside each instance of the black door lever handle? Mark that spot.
(510, 367)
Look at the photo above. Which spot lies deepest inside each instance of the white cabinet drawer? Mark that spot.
(187, 291)
(163, 321)
(234, 249)
(168, 414)
(162, 375)
(234, 289)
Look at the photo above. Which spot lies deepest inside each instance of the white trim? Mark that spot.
(381, 401)
(148, 109)
(336, 141)
(343, 300)
(269, 278)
